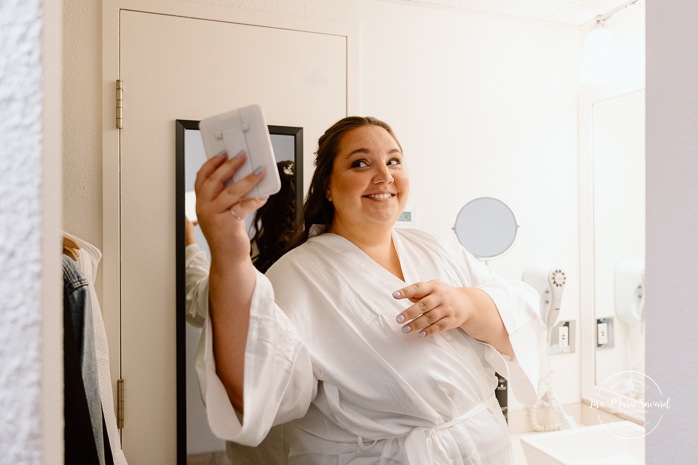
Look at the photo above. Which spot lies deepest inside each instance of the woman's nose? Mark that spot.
(382, 175)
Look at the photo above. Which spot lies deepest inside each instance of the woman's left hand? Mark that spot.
(437, 307)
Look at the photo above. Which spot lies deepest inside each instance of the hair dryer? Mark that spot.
(549, 281)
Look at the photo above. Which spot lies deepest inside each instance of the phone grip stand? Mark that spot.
(243, 130)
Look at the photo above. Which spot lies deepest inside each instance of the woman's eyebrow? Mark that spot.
(360, 150)
(364, 150)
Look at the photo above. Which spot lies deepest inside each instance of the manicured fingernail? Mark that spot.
(405, 329)
(400, 318)
(258, 170)
(221, 153)
(396, 294)
(422, 334)
(239, 154)
(264, 197)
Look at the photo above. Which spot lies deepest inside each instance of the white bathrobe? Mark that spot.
(324, 351)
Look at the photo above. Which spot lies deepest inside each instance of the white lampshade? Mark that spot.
(600, 57)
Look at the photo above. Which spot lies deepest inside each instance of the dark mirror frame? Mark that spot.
(181, 127)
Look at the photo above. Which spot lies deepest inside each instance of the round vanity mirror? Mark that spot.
(486, 227)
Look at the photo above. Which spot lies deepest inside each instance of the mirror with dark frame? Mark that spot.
(194, 437)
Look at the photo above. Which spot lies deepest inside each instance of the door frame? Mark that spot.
(111, 136)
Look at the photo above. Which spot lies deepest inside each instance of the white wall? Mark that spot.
(672, 222)
(82, 119)
(484, 107)
(20, 193)
(31, 398)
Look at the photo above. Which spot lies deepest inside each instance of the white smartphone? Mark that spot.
(243, 129)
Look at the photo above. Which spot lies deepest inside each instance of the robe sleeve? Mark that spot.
(517, 304)
(279, 382)
(196, 267)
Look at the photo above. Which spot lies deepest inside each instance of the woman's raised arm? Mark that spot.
(221, 212)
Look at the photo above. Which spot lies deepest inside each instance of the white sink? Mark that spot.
(616, 443)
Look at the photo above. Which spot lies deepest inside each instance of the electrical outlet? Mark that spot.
(562, 338)
(604, 333)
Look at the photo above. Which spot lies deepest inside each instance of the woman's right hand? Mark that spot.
(221, 210)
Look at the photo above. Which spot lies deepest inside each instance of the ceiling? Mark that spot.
(571, 12)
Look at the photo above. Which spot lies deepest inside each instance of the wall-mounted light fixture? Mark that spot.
(601, 55)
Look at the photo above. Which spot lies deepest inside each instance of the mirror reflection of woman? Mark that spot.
(377, 345)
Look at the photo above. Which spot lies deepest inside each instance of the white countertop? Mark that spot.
(583, 414)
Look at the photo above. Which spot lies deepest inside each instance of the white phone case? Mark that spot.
(238, 130)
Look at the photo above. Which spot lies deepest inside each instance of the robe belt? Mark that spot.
(422, 445)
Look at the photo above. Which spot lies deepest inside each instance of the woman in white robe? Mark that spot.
(379, 345)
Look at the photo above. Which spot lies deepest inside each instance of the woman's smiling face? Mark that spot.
(369, 182)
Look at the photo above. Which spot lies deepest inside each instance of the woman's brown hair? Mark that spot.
(275, 222)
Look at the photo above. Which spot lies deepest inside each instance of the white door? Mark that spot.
(176, 67)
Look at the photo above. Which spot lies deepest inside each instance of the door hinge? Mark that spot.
(120, 403)
(119, 104)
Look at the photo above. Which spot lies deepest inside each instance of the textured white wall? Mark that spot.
(672, 226)
(30, 334)
(20, 209)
